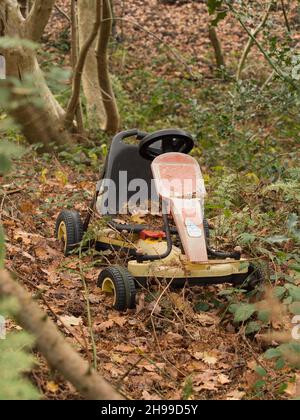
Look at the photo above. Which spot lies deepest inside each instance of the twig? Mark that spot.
(62, 12)
(73, 103)
(168, 47)
(285, 16)
(265, 54)
(251, 42)
(74, 55)
(88, 309)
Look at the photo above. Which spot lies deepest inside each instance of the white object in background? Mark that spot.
(2, 328)
(2, 67)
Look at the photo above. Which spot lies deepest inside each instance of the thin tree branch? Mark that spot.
(285, 16)
(62, 13)
(277, 70)
(73, 103)
(251, 41)
(38, 18)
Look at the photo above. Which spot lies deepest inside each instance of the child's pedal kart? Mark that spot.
(156, 170)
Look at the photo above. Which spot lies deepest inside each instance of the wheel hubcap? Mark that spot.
(62, 234)
(109, 287)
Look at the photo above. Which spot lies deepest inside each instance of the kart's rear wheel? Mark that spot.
(69, 230)
(120, 283)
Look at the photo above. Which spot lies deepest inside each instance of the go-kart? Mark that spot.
(153, 174)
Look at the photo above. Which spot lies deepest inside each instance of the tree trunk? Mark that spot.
(90, 84)
(43, 123)
(108, 97)
(217, 47)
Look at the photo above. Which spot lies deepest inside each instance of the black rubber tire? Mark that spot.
(206, 230)
(255, 278)
(74, 229)
(124, 283)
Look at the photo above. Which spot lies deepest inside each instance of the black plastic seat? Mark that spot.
(124, 157)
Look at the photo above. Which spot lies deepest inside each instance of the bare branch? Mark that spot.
(38, 18)
(73, 103)
(62, 13)
(250, 42)
(109, 101)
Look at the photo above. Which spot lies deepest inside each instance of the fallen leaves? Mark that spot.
(71, 321)
(106, 325)
(235, 395)
(206, 357)
(125, 348)
(52, 387)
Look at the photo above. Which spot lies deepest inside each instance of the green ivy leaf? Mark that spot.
(260, 371)
(252, 327)
(233, 308)
(5, 164)
(14, 361)
(295, 267)
(244, 312)
(259, 384)
(264, 316)
(247, 238)
(202, 307)
(272, 354)
(294, 308)
(279, 292)
(280, 364)
(294, 292)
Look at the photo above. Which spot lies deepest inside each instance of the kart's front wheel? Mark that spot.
(69, 230)
(120, 283)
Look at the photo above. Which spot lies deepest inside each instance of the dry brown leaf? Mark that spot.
(150, 397)
(52, 387)
(235, 395)
(104, 326)
(293, 388)
(206, 320)
(153, 367)
(71, 321)
(125, 348)
(116, 358)
(119, 320)
(208, 358)
(223, 379)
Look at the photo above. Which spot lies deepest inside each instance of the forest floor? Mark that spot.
(188, 345)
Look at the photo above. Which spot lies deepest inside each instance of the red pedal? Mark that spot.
(145, 234)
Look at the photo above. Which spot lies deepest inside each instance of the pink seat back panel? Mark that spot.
(177, 175)
(178, 179)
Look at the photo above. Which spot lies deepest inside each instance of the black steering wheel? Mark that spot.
(165, 141)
